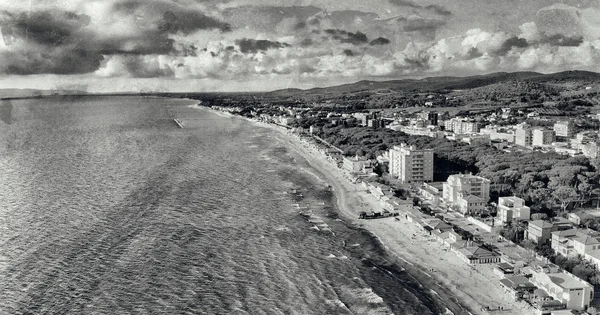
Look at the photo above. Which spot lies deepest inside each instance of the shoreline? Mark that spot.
(467, 288)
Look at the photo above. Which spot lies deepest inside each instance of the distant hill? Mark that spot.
(18, 93)
(447, 83)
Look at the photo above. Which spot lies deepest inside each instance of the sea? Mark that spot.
(107, 206)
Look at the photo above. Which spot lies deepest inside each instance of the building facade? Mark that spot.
(461, 126)
(357, 164)
(542, 137)
(564, 129)
(540, 231)
(523, 135)
(462, 185)
(411, 165)
(575, 293)
(512, 208)
(431, 118)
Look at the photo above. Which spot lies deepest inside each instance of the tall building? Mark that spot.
(541, 137)
(430, 117)
(564, 129)
(463, 185)
(523, 135)
(512, 208)
(410, 164)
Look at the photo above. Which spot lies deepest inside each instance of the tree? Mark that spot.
(513, 232)
(584, 271)
(539, 216)
(565, 195)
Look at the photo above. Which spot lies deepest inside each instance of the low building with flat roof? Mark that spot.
(517, 286)
(562, 286)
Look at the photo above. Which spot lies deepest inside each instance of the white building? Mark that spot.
(464, 185)
(591, 150)
(459, 191)
(357, 164)
(573, 242)
(410, 164)
(564, 128)
(512, 208)
(542, 137)
(461, 126)
(575, 293)
(523, 135)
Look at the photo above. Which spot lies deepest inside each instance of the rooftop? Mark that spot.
(475, 252)
(567, 281)
(515, 282)
(504, 265)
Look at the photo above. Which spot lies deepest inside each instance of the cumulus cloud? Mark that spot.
(185, 40)
(59, 41)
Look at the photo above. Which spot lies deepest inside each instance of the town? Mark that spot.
(515, 187)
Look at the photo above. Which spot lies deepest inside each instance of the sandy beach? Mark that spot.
(475, 286)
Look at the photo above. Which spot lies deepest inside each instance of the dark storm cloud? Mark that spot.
(379, 41)
(437, 9)
(46, 42)
(253, 46)
(300, 25)
(562, 40)
(45, 27)
(61, 42)
(189, 22)
(138, 68)
(510, 43)
(306, 42)
(56, 61)
(422, 25)
(418, 63)
(474, 53)
(357, 38)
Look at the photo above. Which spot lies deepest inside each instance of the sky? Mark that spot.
(258, 45)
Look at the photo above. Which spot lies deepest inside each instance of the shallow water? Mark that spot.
(107, 207)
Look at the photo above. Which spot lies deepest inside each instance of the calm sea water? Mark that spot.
(107, 207)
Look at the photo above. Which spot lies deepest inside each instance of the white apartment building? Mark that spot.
(542, 137)
(410, 165)
(512, 208)
(459, 190)
(461, 126)
(564, 128)
(523, 135)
